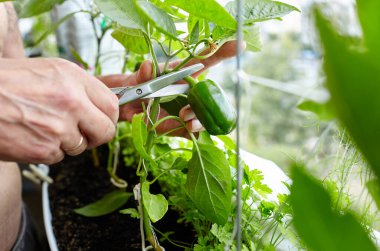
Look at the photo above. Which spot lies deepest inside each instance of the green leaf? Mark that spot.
(261, 10)
(374, 190)
(175, 105)
(208, 9)
(252, 38)
(205, 138)
(78, 58)
(55, 26)
(29, 8)
(157, 17)
(209, 182)
(318, 226)
(139, 132)
(124, 12)
(323, 111)
(132, 39)
(107, 204)
(368, 11)
(353, 80)
(194, 35)
(155, 205)
(132, 212)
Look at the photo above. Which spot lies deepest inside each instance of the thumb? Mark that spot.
(144, 74)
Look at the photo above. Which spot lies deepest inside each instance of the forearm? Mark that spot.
(13, 46)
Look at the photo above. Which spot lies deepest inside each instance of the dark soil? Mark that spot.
(77, 183)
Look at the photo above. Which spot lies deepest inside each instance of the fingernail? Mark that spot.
(196, 126)
(189, 115)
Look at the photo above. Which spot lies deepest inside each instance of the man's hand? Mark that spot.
(144, 74)
(50, 107)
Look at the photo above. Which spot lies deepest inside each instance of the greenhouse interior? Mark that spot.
(206, 125)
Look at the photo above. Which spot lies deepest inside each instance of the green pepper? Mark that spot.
(211, 106)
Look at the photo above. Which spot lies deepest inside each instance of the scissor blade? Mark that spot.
(145, 89)
(170, 91)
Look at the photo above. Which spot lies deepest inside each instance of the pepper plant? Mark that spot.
(187, 30)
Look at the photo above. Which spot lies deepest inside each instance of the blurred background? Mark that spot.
(283, 82)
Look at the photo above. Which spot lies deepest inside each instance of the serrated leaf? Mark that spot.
(208, 9)
(122, 11)
(29, 8)
(157, 17)
(107, 204)
(132, 39)
(318, 226)
(209, 183)
(261, 10)
(155, 204)
(354, 83)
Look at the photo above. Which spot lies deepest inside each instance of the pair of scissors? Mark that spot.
(158, 87)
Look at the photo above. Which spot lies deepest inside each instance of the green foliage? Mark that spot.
(107, 204)
(208, 9)
(261, 10)
(139, 132)
(323, 111)
(132, 39)
(157, 17)
(354, 82)
(209, 182)
(319, 226)
(29, 8)
(155, 205)
(122, 11)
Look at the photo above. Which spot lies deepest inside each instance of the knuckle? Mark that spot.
(105, 136)
(46, 154)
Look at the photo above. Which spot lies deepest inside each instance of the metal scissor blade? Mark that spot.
(170, 91)
(129, 94)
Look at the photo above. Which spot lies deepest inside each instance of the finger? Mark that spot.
(96, 126)
(103, 99)
(186, 113)
(227, 50)
(194, 125)
(76, 145)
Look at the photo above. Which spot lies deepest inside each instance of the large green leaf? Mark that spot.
(132, 39)
(208, 9)
(29, 8)
(209, 182)
(122, 11)
(318, 226)
(157, 17)
(155, 204)
(261, 10)
(368, 11)
(353, 80)
(107, 204)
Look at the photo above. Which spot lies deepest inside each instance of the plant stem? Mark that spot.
(185, 61)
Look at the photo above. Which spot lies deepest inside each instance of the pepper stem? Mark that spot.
(191, 81)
